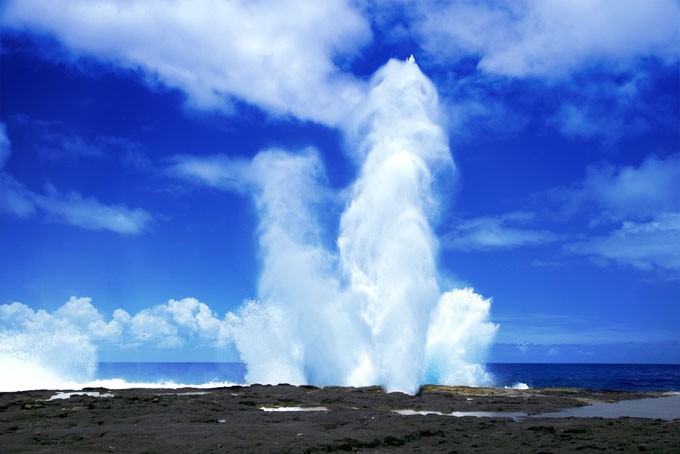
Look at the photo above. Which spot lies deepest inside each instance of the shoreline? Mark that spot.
(264, 418)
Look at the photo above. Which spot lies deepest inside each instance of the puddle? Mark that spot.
(188, 393)
(294, 408)
(81, 393)
(461, 414)
(667, 408)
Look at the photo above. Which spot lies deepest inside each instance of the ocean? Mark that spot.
(628, 377)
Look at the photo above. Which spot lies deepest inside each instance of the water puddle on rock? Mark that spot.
(294, 408)
(78, 393)
(667, 408)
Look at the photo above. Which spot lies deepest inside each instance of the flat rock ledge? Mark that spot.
(340, 419)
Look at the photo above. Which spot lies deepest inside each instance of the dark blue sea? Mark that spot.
(622, 377)
(632, 377)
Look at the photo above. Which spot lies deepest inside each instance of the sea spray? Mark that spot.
(457, 339)
(45, 360)
(370, 313)
(386, 244)
(298, 331)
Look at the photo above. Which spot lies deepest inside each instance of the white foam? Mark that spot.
(518, 385)
(119, 383)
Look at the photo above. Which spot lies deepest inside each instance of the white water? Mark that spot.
(45, 360)
(370, 312)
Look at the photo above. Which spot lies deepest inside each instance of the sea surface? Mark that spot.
(628, 377)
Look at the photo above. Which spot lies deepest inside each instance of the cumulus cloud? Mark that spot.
(176, 323)
(495, 232)
(278, 55)
(173, 324)
(653, 245)
(58, 349)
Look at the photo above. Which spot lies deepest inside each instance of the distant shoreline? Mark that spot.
(338, 418)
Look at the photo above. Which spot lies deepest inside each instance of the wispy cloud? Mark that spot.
(636, 210)
(71, 208)
(628, 192)
(5, 145)
(551, 329)
(495, 232)
(549, 51)
(550, 39)
(87, 212)
(649, 246)
(630, 352)
(219, 171)
(15, 200)
(53, 141)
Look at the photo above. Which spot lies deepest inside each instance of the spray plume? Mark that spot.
(372, 312)
(369, 311)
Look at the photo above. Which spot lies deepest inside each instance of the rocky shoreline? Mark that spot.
(285, 418)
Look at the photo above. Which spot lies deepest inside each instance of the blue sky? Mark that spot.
(126, 130)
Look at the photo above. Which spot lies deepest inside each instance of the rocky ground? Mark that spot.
(357, 419)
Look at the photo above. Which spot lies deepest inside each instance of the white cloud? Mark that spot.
(653, 245)
(218, 171)
(553, 38)
(71, 208)
(548, 50)
(79, 311)
(631, 192)
(88, 213)
(500, 232)
(640, 207)
(174, 324)
(279, 55)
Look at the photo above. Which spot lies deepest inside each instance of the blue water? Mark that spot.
(632, 377)
(624, 377)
